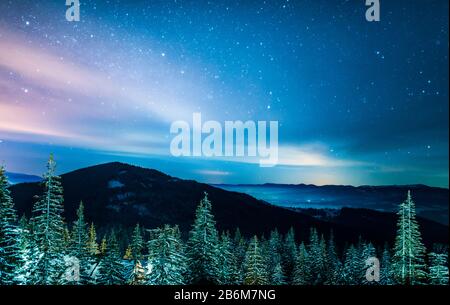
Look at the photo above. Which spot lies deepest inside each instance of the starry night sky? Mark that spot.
(357, 102)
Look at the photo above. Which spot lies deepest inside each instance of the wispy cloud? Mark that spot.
(58, 76)
(47, 97)
(312, 155)
(213, 172)
(50, 70)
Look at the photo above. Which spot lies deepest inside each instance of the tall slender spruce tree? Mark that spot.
(333, 265)
(203, 245)
(386, 267)
(317, 255)
(137, 243)
(255, 265)
(409, 251)
(274, 258)
(289, 253)
(302, 272)
(48, 230)
(9, 259)
(227, 261)
(240, 248)
(80, 245)
(92, 242)
(275, 249)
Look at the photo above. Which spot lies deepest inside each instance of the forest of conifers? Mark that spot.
(44, 250)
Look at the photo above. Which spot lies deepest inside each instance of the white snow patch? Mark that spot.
(112, 184)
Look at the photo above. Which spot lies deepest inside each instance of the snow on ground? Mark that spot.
(112, 184)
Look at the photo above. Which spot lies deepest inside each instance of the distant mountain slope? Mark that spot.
(431, 202)
(121, 194)
(15, 178)
(370, 221)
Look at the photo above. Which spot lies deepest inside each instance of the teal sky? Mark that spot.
(357, 102)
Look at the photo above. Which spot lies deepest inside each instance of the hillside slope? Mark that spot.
(121, 194)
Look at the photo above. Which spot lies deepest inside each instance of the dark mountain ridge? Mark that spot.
(121, 194)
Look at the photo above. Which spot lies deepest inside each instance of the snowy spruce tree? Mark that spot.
(93, 247)
(202, 245)
(409, 251)
(79, 247)
(316, 258)
(438, 272)
(275, 248)
(351, 271)
(166, 259)
(9, 259)
(240, 248)
(367, 251)
(302, 272)
(94, 255)
(112, 270)
(67, 238)
(137, 243)
(386, 268)
(255, 265)
(274, 264)
(278, 277)
(27, 251)
(333, 265)
(48, 230)
(103, 246)
(264, 248)
(289, 253)
(227, 273)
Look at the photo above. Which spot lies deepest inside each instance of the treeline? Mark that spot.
(44, 250)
